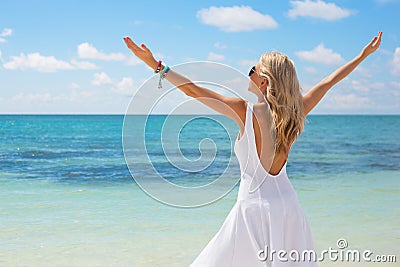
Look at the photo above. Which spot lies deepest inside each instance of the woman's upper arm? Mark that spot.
(314, 96)
(231, 107)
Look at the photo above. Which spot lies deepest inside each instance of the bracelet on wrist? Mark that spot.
(157, 70)
(163, 74)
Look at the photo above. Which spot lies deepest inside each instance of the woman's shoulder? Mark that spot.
(262, 112)
(261, 106)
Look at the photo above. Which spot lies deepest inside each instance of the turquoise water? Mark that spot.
(68, 199)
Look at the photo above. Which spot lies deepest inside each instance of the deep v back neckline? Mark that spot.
(252, 139)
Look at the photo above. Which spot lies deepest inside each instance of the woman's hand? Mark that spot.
(373, 45)
(143, 53)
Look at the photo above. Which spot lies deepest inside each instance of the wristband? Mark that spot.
(163, 74)
(157, 70)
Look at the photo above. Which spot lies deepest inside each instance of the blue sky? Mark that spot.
(69, 57)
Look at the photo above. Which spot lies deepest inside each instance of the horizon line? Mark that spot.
(200, 114)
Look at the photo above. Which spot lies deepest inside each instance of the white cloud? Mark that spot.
(311, 70)
(133, 60)
(32, 98)
(220, 46)
(37, 62)
(344, 103)
(137, 22)
(366, 85)
(321, 55)
(350, 101)
(318, 9)
(6, 32)
(101, 78)
(214, 56)
(359, 86)
(1, 59)
(236, 18)
(396, 62)
(396, 89)
(88, 51)
(124, 87)
(189, 59)
(74, 86)
(84, 65)
(395, 84)
(363, 71)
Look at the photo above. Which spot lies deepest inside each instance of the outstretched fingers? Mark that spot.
(142, 52)
(377, 40)
(131, 45)
(145, 48)
(373, 45)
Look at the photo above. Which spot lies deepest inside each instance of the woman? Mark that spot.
(266, 218)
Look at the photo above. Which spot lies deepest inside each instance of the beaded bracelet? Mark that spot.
(163, 74)
(158, 67)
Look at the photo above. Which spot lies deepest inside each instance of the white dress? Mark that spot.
(268, 217)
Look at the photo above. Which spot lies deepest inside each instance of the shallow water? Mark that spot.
(68, 199)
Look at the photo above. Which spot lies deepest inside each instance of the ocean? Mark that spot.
(67, 197)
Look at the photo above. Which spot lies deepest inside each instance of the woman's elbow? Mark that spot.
(190, 90)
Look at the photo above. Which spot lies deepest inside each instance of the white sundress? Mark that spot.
(269, 219)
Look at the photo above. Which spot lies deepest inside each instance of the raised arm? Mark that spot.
(312, 98)
(231, 107)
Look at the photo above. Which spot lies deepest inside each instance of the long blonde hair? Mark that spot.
(284, 97)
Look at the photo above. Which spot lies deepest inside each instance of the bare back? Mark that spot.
(279, 158)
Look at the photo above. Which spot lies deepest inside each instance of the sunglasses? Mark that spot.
(252, 70)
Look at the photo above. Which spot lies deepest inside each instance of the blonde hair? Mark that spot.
(284, 97)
